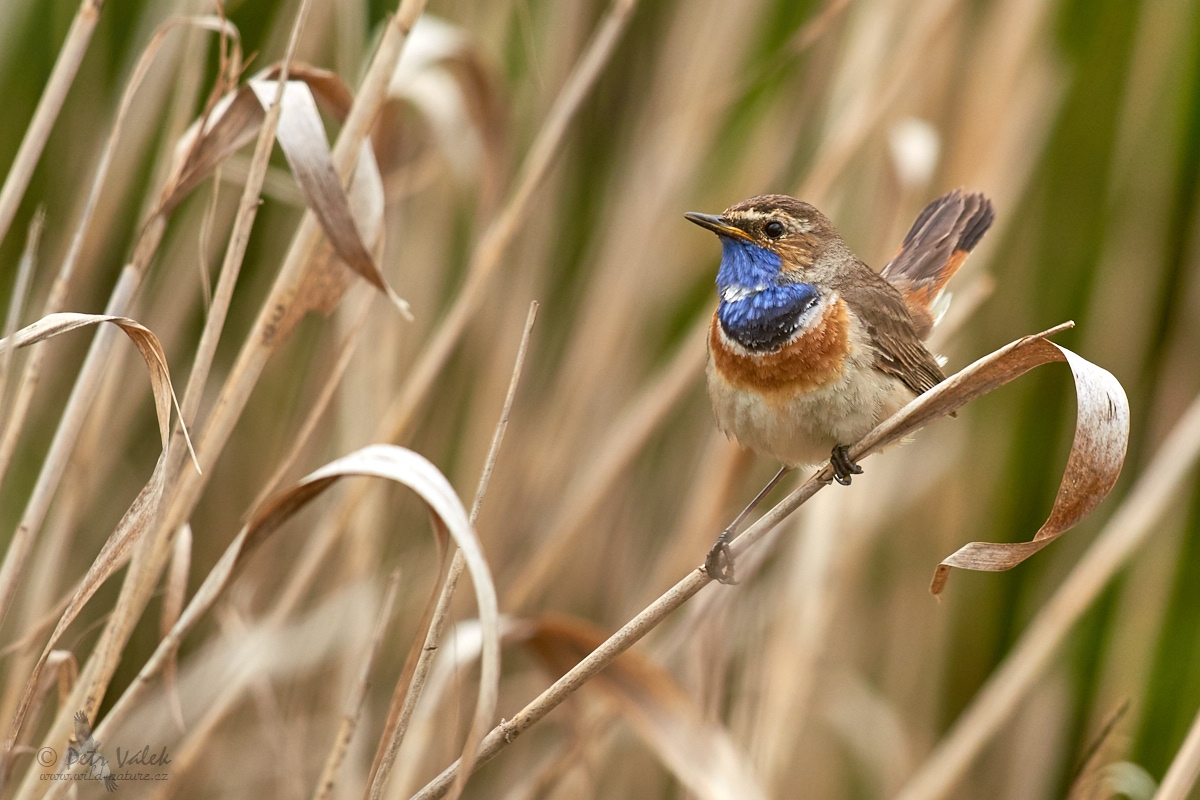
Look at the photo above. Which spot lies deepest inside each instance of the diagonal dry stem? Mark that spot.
(484, 261)
(984, 375)
(400, 715)
(63, 75)
(88, 381)
(354, 707)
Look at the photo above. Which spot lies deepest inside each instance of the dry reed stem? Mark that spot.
(243, 223)
(987, 373)
(354, 707)
(151, 554)
(304, 435)
(261, 341)
(489, 253)
(1185, 767)
(1125, 531)
(484, 260)
(259, 344)
(150, 557)
(49, 105)
(88, 380)
(16, 305)
(399, 718)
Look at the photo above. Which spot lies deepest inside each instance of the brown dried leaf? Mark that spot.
(1097, 453)
(353, 225)
(142, 337)
(145, 506)
(698, 752)
(302, 136)
(449, 517)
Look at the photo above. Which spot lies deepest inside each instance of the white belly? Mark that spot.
(802, 428)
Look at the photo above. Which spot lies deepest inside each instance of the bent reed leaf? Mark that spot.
(301, 135)
(1097, 452)
(353, 224)
(144, 510)
(383, 461)
(143, 339)
(1089, 478)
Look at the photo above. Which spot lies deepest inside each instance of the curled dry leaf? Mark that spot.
(698, 752)
(1097, 453)
(383, 461)
(1091, 473)
(353, 224)
(143, 339)
(302, 136)
(145, 508)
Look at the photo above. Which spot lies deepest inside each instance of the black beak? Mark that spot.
(716, 224)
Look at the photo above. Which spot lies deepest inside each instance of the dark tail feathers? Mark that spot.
(935, 247)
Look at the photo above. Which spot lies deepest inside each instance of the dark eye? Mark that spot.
(773, 229)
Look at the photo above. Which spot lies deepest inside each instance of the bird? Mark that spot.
(809, 348)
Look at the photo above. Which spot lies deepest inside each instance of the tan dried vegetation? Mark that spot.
(336, 659)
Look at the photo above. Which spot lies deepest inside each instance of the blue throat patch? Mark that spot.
(766, 311)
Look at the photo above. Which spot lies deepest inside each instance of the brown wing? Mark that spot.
(898, 349)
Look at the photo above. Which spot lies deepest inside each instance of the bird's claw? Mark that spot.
(843, 467)
(719, 562)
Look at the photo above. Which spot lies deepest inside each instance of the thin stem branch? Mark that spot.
(354, 708)
(623, 639)
(503, 229)
(386, 757)
(66, 66)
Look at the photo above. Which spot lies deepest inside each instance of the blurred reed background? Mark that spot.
(829, 672)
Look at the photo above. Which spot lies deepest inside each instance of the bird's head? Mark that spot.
(777, 254)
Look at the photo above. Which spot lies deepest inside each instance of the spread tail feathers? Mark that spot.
(935, 247)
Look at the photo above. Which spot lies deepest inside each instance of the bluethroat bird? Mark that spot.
(810, 348)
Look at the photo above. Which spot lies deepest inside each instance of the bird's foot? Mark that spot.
(843, 468)
(719, 562)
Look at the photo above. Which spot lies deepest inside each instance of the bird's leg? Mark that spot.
(843, 467)
(719, 563)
